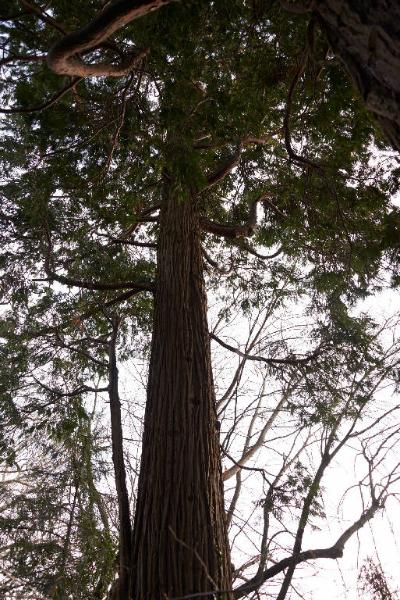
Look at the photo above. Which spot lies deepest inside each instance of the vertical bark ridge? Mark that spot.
(180, 542)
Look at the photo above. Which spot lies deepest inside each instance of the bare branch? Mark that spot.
(333, 552)
(270, 361)
(250, 452)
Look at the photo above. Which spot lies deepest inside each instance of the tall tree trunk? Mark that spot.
(180, 543)
(366, 37)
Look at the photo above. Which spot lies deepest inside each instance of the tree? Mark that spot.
(366, 38)
(225, 112)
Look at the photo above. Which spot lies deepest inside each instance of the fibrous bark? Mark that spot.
(366, 37)
(179, 541)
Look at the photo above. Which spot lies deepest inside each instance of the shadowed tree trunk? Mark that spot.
(180, 542)
(366, 37)
(121, 589)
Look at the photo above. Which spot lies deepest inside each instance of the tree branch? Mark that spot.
(333, 552)
(134, 243)
(143, 216)
(262, 140)
(215, 265)
(245, 246)
(120, 125)
(77, 392)
(98, 286)
(250, 452)
(47, 104)
(233, 231)
(268, 361)
(63, 57)
(298, 8)
(286, 120)
(36, 10)
(223, 170)
(21, 58)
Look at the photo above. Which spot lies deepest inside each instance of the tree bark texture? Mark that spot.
(180, 543)
(366, 37)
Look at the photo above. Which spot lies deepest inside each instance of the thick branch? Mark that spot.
(63, 58)
(22, 58)
(251, 451)
(233, 231)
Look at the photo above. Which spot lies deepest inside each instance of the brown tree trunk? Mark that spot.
(366, 37)
(180, 542)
